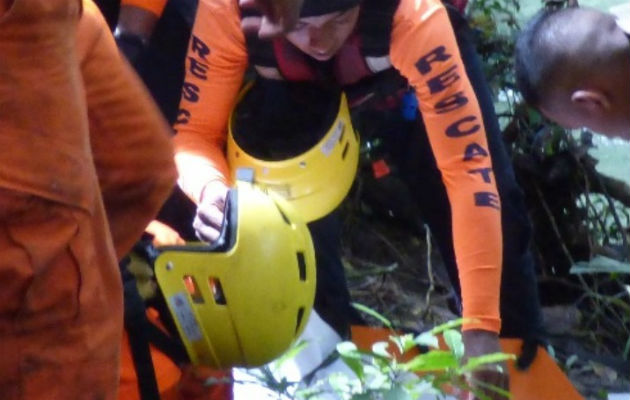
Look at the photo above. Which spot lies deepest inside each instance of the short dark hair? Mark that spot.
(532, 59)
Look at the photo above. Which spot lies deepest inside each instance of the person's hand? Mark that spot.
(193, 383)
(209, 217)
(478, 343)
(163, 235)
(279, 16)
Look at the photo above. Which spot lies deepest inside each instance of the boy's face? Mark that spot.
(322, 36)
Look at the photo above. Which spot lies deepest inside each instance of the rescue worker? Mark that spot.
(86, 164)
(573, 65)
(153, 36)
(449, 166)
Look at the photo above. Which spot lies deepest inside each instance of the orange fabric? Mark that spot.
(216, 63)
(4, 5)
(542, 380)
(172, 384)
(424, 50)
(70, 111)
(155, 6)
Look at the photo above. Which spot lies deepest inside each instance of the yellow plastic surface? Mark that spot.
(261, 281)
(315, 182)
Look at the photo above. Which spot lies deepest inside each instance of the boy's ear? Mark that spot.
(591, 101)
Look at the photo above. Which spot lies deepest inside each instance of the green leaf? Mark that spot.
(434, 360)
(571, 360)
(427, 339)
(552, 353)
(362, 396)
(534, 116)
(396, 393)
(380, 348)
(355, 365)
(290, 354)
(599, 265)
(372, 313)
(454, 342)
(407, 342)
(493, 388)
(451, 324)
(348, 349)
(476, 362)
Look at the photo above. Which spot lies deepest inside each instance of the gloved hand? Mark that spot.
(209, 217)
(478, 343)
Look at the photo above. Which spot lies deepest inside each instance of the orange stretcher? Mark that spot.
(544, 380)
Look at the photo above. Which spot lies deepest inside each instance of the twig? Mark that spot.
(427, 298)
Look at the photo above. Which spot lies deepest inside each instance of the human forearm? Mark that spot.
(425, 51)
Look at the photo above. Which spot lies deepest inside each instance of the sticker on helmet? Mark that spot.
(328, 147)
(185, 316)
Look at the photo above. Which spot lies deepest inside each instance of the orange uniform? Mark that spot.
(155, 6)
(86, 163)
(424, 50)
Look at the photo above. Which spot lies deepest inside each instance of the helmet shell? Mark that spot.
(245, 304)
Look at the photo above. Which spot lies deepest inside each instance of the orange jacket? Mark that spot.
(86, 163)
(424, 50)
(155, 6)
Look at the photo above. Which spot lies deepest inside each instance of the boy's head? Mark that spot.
(324, 26)
(573, 64)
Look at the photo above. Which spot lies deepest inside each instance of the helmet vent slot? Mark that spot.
(193, 289)
(284, 216)
(301, 265)
(345, 151)
(300, 315)
(343, 135)
(217, 291)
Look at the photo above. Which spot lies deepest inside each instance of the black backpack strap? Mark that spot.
(137, 325)
(170, 347)
(141, 332)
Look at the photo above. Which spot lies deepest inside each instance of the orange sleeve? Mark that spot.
(155, 6)
(424, 50)
(130, 139)
(215, 65)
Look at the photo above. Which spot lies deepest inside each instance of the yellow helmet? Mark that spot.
(244, 301)
(314, 182)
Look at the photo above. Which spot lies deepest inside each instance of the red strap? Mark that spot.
(380, 168)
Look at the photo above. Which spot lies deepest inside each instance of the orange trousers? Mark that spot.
(85, 163)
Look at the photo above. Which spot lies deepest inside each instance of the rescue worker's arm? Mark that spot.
(215, 66)
(425, 51)
(130, 140)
